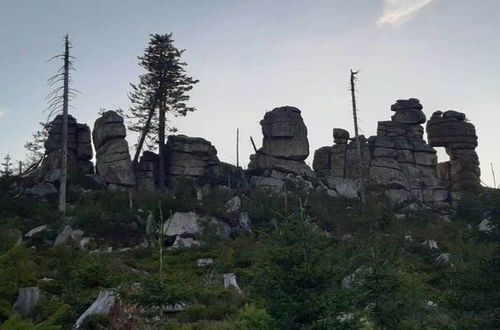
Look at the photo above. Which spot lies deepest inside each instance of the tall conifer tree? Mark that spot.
(162, 89)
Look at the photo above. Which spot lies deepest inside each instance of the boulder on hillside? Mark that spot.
(27, 302)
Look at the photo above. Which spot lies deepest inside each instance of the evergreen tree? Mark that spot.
(7, 166)
(35, 148)
(161, 90)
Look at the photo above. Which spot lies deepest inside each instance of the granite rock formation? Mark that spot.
(451, 130)
(79, 150)
(397, 158)
(285, 145)
(185, 157)
(189, 157)
(113, 161)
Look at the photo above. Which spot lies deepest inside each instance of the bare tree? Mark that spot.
(58, 100)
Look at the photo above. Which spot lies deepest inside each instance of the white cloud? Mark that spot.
(2, 113)
(397, 12)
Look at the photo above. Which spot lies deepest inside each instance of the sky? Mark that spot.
(254, 55)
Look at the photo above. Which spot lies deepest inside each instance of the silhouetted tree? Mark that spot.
(35, 148)
(163, 88)
(7, 166)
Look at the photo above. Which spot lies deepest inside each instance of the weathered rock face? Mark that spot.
(146, 172)
(185, 157)
(112, 154)
(79, 150)
(397, 158)
(189, 156)
(285, 145)
(451, 130)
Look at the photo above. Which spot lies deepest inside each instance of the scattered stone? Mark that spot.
(36, 230)
(353, 279)
(430, 244)
(244, 222)
(102, 305)
(230, 281)
(485, 226)
(443, 259)
(64, 236)
(233, 205)
(203, 262)
(181, 223)
(27, 301)
(181, 242)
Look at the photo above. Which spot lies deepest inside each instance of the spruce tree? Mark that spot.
(7, 166)
(162, 89)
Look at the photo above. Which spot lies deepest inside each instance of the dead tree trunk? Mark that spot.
(357, 141)
(64, 145)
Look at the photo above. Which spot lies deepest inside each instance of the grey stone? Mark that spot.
(344, 187)
(181, 223)
(64, 236)
(203, 262)
(27, 302)
(36, 230)
(233, 205)
(102, 305)
(230, 281)
(485, 226)
(184, 242)
(244, 222)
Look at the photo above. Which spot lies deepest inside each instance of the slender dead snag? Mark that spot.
(58, 100)
(237, 148)
(64, 158)
(493, 174)
(356, 132)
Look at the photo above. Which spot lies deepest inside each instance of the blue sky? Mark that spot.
(252, 55)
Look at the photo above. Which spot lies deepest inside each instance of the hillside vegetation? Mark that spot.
(310, 262)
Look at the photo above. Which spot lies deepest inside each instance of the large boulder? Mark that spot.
(189, 156)
(285, 145)
(102, 305)
(113, 161)
(27, 302)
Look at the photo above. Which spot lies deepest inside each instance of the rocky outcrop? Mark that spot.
(285, 145)
(189, 157)
(185, 157)
(79, 150)
(451, 130)
(112, 154)
(397, 158)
